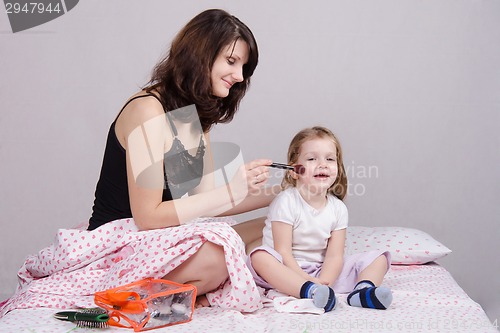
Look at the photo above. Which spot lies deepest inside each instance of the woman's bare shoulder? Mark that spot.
(142, 108)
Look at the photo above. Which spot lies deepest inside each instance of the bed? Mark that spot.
(426, 299)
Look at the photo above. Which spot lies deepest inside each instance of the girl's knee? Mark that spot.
(259, 259)
(258, 255)
(382, 262)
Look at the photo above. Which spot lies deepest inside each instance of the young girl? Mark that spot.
(304, 235)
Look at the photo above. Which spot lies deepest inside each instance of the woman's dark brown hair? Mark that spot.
(183, 77)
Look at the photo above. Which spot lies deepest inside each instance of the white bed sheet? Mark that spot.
(426, 299)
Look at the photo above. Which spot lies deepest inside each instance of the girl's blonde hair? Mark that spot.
(339, 187)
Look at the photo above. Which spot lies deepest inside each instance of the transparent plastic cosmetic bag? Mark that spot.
(148, 304)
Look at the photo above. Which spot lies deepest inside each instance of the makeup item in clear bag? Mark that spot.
(148, 304)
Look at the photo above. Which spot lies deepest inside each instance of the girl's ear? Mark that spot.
(293, 174)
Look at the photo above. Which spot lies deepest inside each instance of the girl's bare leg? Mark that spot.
(370, 294)
(375, 272)
(276, 274)
(290, 282)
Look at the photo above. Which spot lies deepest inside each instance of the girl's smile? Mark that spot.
(322, 176)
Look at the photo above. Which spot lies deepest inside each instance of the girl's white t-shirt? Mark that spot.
(311, 227)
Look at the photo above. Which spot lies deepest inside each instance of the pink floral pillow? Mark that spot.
(407, 246)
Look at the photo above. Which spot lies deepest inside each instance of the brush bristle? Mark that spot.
(92, 324)
(299, 169)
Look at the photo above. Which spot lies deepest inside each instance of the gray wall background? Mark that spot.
(410, 87)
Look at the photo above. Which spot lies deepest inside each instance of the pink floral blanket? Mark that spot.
(79, 263)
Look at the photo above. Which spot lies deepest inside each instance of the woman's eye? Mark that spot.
(230, 61)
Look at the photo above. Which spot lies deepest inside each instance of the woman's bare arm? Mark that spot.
(146, 137)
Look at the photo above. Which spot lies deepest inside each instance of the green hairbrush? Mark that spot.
(86, 318)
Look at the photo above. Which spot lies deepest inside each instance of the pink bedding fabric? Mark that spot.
(79, 263)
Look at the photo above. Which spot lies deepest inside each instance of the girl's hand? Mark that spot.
(249, 179)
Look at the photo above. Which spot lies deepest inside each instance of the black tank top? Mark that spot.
(182, 172)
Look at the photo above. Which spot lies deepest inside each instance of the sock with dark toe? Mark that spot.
(366, 295)
(322, 296)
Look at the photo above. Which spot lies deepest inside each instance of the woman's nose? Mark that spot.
(238, 75)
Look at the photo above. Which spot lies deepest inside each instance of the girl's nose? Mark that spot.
(323, 164)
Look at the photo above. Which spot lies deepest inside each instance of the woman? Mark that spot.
(157, 178)
(210, 64)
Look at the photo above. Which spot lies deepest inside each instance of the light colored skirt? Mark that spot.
(79, 263)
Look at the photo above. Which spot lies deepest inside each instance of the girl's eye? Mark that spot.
(310, 159)
(230, 61)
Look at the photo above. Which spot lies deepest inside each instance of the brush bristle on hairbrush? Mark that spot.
(86, 318)
(299, 168)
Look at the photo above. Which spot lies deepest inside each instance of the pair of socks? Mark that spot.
(364, 295)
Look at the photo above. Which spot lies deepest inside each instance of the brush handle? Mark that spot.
(82, 316)
(282, 166)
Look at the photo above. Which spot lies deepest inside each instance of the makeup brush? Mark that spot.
(299, 168)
